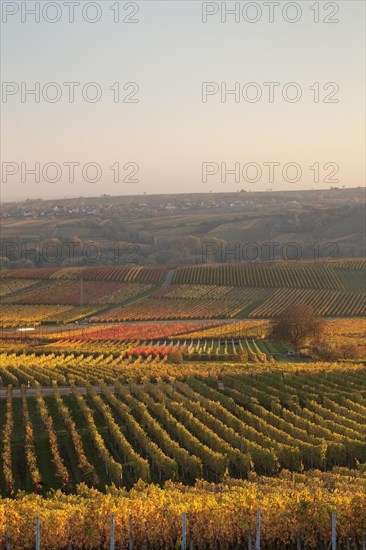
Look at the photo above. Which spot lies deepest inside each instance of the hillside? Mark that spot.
(171, 229)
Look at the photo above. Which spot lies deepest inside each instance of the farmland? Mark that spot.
(256, 433)
(20, 315)
(231, 291)
(72, 293)
(295, 510)
(150, 391)
(136, 274)
(180, 427)
(176, 229)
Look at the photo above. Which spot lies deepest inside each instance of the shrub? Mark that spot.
(243, 356)
(175, 357)
(331, 352)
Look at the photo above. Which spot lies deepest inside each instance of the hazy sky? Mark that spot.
(169, 132)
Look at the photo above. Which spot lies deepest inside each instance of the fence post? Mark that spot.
(334, 531)
(7, 540)
(184, 531)
(258, 533)
(130, 544)
(38, 534)
(112, 533)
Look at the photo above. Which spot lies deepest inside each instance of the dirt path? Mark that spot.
(168, 278)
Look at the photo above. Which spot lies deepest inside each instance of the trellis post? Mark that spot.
(130, 543)
(258, 533)
(184, 531)
(334, 531)
(111, 546)
(38, 534)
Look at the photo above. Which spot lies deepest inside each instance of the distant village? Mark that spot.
(68, 209)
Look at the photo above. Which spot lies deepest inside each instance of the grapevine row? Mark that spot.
(47, 420)
(84, 465)
(213, 461)
(164, 464)
(7, 434)
(139, 465)
(190, 466)
(29, 443)
(113, 469)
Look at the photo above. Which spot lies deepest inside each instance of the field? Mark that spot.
(146, 392)
(105, 421)
(72, 293)
(20, 315)
(350, 330)
(169, 424)
(136, 274)
(136, 293)
(295, 511)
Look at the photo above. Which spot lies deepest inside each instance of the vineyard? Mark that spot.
(131, 353)
(183, 428)
(15, 314)
(203, 349)
(72, 293)
(133, 331)
(335, 331)
(146, 392)
(228, 291)
(20, 315)
(130, 274)
(66, 361)
(296, 513)
(91, 422)
(188, 302)
(131, 344)
(181, 302)
(316, 275)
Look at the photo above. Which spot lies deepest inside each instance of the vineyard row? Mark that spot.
(186, 430)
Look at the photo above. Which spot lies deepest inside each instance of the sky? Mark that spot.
(157, 118)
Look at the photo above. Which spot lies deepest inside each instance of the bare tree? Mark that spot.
(297, 325)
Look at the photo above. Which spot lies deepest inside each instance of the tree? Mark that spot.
(297, 325)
